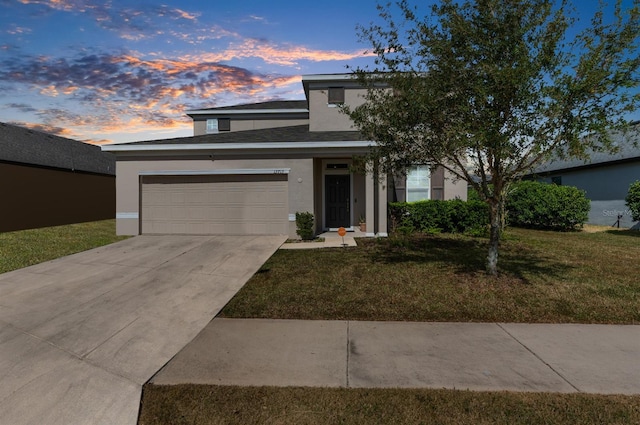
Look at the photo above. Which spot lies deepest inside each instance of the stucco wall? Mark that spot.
(35, 197)
(601, 183)
(200, 127)
(325, 117)
(606, 187)
(128, 189)
(454, 188)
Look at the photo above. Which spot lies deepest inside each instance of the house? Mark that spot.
(605, 178)
(249, 168)
(49, 180)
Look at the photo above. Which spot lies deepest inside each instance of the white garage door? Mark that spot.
(215, 204)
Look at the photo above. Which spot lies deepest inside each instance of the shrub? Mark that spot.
(454, 216)
(633, 200)
(304, 225)
(546, 206)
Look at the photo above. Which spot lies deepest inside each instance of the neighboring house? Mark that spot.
(604, 177)
(249, 168)
(48, 180)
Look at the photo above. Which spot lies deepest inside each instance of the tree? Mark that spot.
(633, 200)
(488, 89)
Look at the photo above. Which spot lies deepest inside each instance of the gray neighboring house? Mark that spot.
(46, 180)
(604, 177)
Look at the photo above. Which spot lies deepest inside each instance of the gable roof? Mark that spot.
(628, 145)
(271, 107)
(24, 146)
(296, 133)
(274, 104)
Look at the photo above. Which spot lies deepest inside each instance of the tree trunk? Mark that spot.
(496, 215)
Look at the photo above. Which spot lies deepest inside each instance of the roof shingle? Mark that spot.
(25, 146)
(297, 133)
(274, 104)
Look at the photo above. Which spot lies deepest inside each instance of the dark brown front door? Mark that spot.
(337, 199)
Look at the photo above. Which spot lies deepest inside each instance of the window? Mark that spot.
(557, 180)
(215, 125)
(212, 125)
(336, 95)
(418, 183)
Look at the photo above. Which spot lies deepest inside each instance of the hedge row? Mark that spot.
(453, 216)
(529, 204)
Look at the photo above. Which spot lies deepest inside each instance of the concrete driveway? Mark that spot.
(80, 335)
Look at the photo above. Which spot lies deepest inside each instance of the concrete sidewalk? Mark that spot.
(477, 356)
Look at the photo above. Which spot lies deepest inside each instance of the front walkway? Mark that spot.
(562, 358)
(80, 335)
(328, 240)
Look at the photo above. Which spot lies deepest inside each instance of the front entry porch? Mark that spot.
(344, 198)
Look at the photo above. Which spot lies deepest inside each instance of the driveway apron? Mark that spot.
(80, 335)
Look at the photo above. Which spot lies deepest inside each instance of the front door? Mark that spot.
(337, 200)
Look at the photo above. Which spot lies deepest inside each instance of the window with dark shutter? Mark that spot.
(224, 124)
(336, 95)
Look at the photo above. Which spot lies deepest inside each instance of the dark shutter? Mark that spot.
(437, 183)
(224, 124)
(336, 95)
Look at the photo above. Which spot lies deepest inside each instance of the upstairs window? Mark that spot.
(336, 95)
(216, 125)
(212, 125)
(418, 183)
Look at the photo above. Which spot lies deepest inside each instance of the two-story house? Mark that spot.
(249, 168)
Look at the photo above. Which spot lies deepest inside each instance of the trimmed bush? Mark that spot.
(304, 225)
(454, 216)
(633, 200)
(546, 206)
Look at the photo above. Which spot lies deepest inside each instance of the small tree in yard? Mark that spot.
(489, 89)
(633, 200)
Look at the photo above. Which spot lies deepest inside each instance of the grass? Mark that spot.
(546, 277)
(28, 247)
(208, 405)
(587, 277)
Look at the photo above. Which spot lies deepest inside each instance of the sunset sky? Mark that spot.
(100, 70)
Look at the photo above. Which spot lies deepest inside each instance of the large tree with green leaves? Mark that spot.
(488, 89)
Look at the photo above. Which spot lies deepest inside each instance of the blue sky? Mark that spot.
(118, 71)
(127, 70)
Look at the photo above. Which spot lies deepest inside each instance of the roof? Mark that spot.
(280, 106)
(274, 104)
(628, 145)
(292, 140)
(30, 147)
(297, 133)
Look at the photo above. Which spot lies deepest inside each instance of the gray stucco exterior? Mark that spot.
(606, 187)
(605, 178)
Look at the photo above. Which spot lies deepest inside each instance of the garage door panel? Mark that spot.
(218, 204)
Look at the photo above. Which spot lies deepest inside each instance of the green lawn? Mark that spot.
(27, 247)
(546, 277)
(208, 405)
